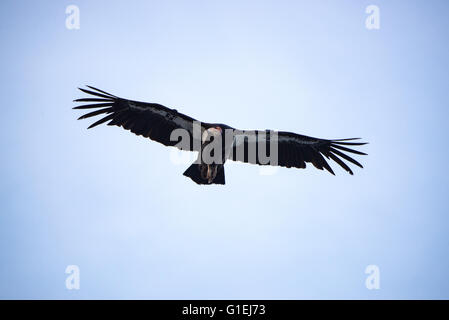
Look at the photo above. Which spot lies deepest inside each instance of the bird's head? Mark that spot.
(212, 132)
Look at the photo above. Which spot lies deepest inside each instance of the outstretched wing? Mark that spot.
(150, 120)
(294, 150)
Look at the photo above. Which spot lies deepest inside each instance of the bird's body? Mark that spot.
(208, 171)
(216, 143)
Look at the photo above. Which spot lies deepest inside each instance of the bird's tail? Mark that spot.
(194, 173)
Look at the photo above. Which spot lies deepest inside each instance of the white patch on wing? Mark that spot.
(288, 139)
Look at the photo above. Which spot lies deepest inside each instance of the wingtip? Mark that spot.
(347, 139)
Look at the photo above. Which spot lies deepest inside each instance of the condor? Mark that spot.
(222, 142)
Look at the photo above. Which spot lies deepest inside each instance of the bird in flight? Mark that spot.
(216, 143)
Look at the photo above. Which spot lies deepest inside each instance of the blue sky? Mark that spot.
(115, 205)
